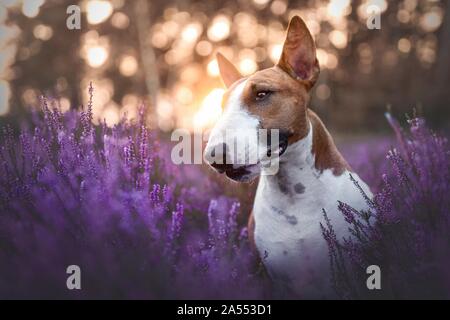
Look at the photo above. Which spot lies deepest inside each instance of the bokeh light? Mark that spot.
(120, 20)
(98, 11)
(338, 38)
(275, 52)
(247, 66)
(204, 48)
(43, 32)
(191, 32)
(97, 56)
(111, 114)
(213, 68)
(165, 111)
(210, 110)
(323, 91)
(219, 29)
(31, 8)
(338, 8)
(431, 20)
(128, 66)
(404, 45)
(278, 7)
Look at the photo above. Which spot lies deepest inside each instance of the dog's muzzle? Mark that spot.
(221, 160)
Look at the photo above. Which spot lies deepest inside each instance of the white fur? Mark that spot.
(287, 229)
(238, 129)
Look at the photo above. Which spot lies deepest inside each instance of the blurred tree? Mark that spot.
(147, 53)
(47, 56)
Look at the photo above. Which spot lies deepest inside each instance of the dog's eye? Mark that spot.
(261, 95)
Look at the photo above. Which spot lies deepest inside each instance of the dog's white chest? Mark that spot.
(288, 211)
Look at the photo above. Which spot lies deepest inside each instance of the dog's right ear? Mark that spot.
(298, 58)
(228, 71)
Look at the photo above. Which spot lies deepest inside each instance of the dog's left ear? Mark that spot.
(298, 58)
(228, 71)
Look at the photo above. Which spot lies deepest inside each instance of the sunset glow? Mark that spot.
(210, 110)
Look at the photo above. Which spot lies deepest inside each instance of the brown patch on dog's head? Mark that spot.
(279, 101)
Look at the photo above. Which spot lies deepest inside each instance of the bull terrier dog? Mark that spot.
(312, 175)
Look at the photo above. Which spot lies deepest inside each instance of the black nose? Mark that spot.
(218, 158)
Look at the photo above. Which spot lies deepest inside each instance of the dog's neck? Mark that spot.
(288, 211)
(316, 152)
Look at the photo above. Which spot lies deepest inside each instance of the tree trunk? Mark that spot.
(148, 58)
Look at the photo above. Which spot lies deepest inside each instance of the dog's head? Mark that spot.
(270, 104)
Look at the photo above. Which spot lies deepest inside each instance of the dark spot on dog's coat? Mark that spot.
(290, 219)
(299, 188)
(317, 174)
(283, 181)
(283, 187)
(279, 211)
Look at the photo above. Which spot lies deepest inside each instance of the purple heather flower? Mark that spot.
(409, 238)
(110, 200)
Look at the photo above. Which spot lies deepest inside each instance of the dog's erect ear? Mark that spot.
(299, 53)
(228, 71)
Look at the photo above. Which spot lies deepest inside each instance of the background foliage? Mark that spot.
(163, 52)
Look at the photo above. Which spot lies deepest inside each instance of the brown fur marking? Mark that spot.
(285, 108)
(326, 154)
